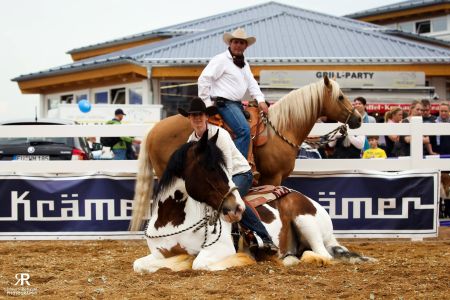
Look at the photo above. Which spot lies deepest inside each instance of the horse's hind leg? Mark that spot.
(289, 243)
(150, 264)
(311, 235)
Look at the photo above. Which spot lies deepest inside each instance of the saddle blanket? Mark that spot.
(264, 194)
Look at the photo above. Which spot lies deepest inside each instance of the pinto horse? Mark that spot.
(302, 228)
(293, 117)
(181, 227)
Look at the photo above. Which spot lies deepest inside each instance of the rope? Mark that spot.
(324, 139)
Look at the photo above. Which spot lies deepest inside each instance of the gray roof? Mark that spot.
(293, 37)
(221, 20)
(404, 5)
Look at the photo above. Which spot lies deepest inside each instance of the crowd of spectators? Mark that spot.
(391, 146)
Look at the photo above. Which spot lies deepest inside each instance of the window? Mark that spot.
(439, 24)
(66, 99)
(52, 103)
(423, 27)
(101, 98)
(81, 97)
(135, 95)
(118, 96)
(175, 95)
(406, 27)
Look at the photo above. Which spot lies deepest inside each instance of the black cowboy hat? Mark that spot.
(198, 106)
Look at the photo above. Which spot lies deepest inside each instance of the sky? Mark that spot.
(36, 34)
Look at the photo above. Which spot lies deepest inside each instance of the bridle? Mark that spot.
(209, 219)
(325, 139)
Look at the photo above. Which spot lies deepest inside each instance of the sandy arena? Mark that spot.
(103, 270)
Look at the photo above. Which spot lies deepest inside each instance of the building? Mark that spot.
(294, 47)
(428, 18)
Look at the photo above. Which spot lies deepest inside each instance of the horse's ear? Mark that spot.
(214, 138)
(203, 142)
(326, 81)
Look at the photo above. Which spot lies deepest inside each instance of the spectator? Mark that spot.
(347, 146)
(374, 151)
(402, 147)
(427, 117)
(123, 149)
(443, 141)
(360, 105)
(394, 115)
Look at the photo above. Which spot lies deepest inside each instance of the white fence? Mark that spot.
(416, 129)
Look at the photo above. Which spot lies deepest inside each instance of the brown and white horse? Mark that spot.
(181, 228)
(302, 228)
(293, 116)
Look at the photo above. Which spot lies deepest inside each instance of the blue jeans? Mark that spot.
(232, 113)
(249, 219)
(120, 154)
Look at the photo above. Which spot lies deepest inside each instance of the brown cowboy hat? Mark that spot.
(198, 106)
(238, 34)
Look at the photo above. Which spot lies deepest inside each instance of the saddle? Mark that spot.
(258, 130)
(257, 196)
(263, 194)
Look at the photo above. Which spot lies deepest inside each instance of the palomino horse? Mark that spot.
(293, 116)
(181, 227)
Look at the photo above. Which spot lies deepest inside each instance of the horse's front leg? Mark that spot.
(150, 263)
(221, 255)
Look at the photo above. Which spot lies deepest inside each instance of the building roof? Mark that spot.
(400, 6)
(220, 20)
(285, 36)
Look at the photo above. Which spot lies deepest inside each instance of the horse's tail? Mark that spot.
(143, 188)
(343, 254)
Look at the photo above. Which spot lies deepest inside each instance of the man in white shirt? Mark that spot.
(236, 166)
(225, 80)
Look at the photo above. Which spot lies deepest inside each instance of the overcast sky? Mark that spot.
(36, 34)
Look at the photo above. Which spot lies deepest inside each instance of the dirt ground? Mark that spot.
(103, 270)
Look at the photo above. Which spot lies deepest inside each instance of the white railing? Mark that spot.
(416, 129)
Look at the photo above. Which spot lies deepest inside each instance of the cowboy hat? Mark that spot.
(238, 34)
(198, 106)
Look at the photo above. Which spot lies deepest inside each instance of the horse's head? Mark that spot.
(207, 181)
(202, 167)
(337, 106)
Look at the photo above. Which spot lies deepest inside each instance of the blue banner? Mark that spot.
(375, 203)
(96, 203)
(361, 204)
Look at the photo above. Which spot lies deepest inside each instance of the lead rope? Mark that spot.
(207, 220)
(324, 139)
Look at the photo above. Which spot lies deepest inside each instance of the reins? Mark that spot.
(207, 220)
(324, 139)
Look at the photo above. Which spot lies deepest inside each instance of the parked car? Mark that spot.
(43, 148)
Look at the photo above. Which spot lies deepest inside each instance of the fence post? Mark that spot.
(416, 142)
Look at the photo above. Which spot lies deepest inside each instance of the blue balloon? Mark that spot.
(84, 106)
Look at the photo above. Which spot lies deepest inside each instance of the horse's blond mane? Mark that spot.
(301, 105)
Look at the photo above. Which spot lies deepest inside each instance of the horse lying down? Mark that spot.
(183, 233)
(301, 227)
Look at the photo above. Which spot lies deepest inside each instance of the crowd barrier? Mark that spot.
(29, 175)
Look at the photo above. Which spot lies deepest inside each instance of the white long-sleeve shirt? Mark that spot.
(222, 78)
(235, 162)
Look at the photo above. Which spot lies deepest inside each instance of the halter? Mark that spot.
(207, 220)
(325, 139)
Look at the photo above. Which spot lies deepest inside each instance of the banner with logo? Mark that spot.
(375, 204)
(361, 204)
(66, 207)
